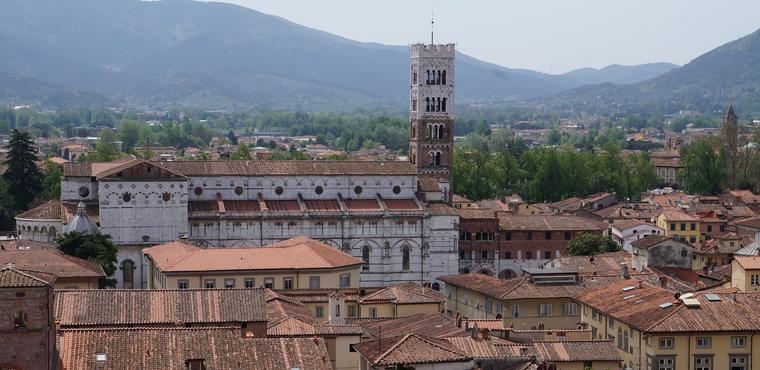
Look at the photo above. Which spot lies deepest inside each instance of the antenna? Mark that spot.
(432, 25)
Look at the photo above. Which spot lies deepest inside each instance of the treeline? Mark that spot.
(552, 173)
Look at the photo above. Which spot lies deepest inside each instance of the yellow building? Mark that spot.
(397, 301)
(295, 263)
(745, 273)
(654, 330)
(680, 225)
(542, 298)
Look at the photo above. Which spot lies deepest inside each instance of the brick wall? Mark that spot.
(32, 347)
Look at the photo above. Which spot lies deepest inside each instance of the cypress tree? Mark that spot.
(23, 177)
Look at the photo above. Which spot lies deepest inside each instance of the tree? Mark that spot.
(107, 148)
(703, 168)
(588, 244)
(232, 138)
(51, 184)
(243, 152)
(23, 177)
(96, 247)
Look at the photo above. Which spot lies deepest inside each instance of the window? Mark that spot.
(755, 279)
(182, 284)
(672, 227)
(358, 190)
(692, 240)
(365, 257)
(709, 228)
(548, 255)
(19, 320)
(571, 308)
(666, 343)
(249, 283)
(128, 274)
(166, 196)
(665, 363)
(498, 307)
(210, 283)
(703, 362)
(738, 362)
(351, 310)
(287, 283)
(548, 235)
(610, 322)
(396, 189)
(567, 235)
(516, 310)
(373, 312)
(314, 282)
(529, 255)
(279, 190)
(126, 197)
(683, 227)
(738, 342)
(198, 190)
(319, 190)
(704, 342)
(269, 283)
(508, 235)
(405, 258)
(545, 309)
(319, 311)
(229, 283)
(345, 280)
(530, 235)
(84, 192)
(693, 227)
(508, 255)
(684, 252)
(484, 255)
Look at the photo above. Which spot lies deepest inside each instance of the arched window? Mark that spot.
(430, 131)
(438, 105)
(405, 258)
(427, 104)
(440, 131)
(428, 77)
(443, 106)
(437, 159)
(365, 257)
(128, 274)
(625, 340)
(443, 77)
(438, 78)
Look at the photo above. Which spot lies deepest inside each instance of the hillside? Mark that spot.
(217, 55)
(729, 73)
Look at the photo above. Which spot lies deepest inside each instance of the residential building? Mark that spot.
(653, 330)
(661, 251)
(679, 224)
(71, 272)
(412, 351)
(398, 301)
(627, 231)
(716, 252)
(295, 263)
(571, 355)
(667, 170)
(745, 273)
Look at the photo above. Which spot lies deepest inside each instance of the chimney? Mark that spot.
(624, 271)
(663, 281)
(474, 331)
(485, 333)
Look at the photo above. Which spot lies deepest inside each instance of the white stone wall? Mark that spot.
(38, 230)
(71, 186)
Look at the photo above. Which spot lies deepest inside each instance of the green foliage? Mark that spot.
(243, 152)
(588, 244)
(107, 147)
(51, 184)
(703, 171)
(23, 177)
(97, 248)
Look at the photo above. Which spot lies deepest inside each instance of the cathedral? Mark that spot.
(395, 215)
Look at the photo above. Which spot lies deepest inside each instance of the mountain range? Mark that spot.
(218, 55)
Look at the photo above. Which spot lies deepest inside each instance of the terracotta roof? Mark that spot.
(398, 295)
(50, 210)
(280, 307)
(569, 204)
(322, 205)
(283, 206)
(323, 295)
(482, 283)
(753, 222)
(577, 351)
(431, 325)
(650, 240)
(459, 199)
(631, 223)
(362, 205)
(167, 306)
(476, 213)
(293, 326)
(672, 214)
(274, 168)
(667, 162)
(164, 348)
(741, 212)
(727, 314)
(596, 197)
(604, 263)
(549, 222)
(479, 348)
(11, 277)
(441, 209)
(423, 290)
(238, 206)
(746, 196)
(429, 184)
(52, 261)
(748, 262)
(24, 245)
(494, 205)
(490, 324)
(296, 253)
(683, 280)
(642, 307)
(410, 349)
(401, 204)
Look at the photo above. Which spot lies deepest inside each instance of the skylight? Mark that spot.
(629, 288)
(712, 297)
(629, 297)
(666, 305)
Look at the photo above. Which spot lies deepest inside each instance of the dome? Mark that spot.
(81, 223)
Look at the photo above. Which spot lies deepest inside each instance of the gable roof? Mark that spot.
(139, 168)
(296, 253)
(398, 295)
(293, 326)
(549, 223)
(170, 348)
(410, 349)
(52, 261)
(50, 210)
(431, 325)
(280, 307)
(482, 283)
(600, 264)
(11, 277)
(576, 351)
(652, 240)
(118, 307)
(748, 262)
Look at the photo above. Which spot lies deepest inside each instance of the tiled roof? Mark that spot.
(323, 295)
(549, 222)
(667, 162)
(142, 307)
(283, 206)
(568, 204)
(650, 240)
(494, 205)
(480, 348)
(596, 197)
(423, 290)
(280, 307)
(630, 223)
(482, 283)
(431, 325)
(441, 209)
(429, 184)
(746, 196)
(600, 264)
(326, 205)
(24, 245)
(476, 213)
(296, 253)
(410, 349)
(681, 279)
(459, 199)
(753, 222)
(52, 261)
(293, 326)
(401, 204)
(672, 214)
(362, 205)
(741, 212)
(274, 168)
(398, 295)
(170, 348)
(50, 210)
(577, 351)
(748, 262)
(733, 312)
(10, 277)
(490, 324)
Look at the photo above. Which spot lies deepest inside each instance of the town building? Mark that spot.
(628, 231)
(661, 251)
(70, 272)
(745, 273)
(679, 224)
(295, 263)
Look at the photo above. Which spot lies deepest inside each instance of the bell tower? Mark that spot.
(431, 118)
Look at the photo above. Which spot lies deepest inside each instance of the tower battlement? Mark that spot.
(432, 50)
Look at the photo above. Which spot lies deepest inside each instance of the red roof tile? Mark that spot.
(283, 206)
(748, 262)
(410, 349)
(401, 204)
(431, 325)
(322, 205)
(293, 327)
(362, 205)
(398, 295)
(549, 222)
(11, 277)
(52, 261)
(50, 210)
(577, 351)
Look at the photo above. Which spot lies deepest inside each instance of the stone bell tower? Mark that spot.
(431, 118)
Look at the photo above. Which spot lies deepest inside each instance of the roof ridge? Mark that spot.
(678, 307)
(21, 272)
(393, 347)
(523, 279)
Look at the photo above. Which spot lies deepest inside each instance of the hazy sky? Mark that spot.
(546, 35)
